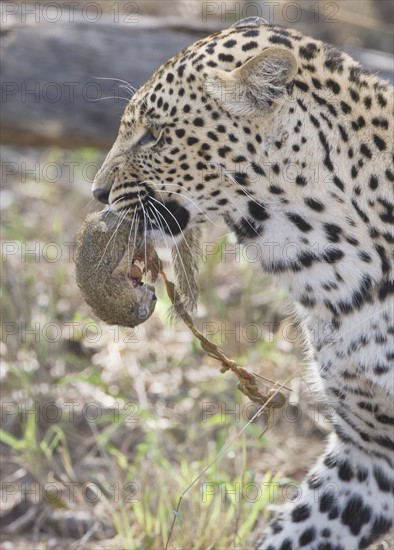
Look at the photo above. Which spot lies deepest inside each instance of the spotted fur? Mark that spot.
(290, 140)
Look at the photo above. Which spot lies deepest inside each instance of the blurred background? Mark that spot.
(104, 428)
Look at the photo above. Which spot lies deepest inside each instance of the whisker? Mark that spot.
(183, 196)
(160, 225)
(176, 246)
(128, 89)
(109, 97)
(88, 203)
(110, 206)
(129, 260)
(233, 180)
(136, 231)
(169, 211)
(121, 219)
(153, 233)
(145, 232)
(128, 85)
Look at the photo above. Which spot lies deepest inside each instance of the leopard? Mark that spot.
(289, 141)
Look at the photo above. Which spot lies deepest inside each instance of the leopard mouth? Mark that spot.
(167, 216)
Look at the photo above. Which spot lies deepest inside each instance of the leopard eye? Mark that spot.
(151, 136)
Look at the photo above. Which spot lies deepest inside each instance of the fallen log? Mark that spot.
(52, 86)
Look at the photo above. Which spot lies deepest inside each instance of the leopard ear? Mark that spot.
(256, 87)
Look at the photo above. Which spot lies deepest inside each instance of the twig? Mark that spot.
(247, 380)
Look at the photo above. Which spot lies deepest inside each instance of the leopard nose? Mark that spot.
(101, 195)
